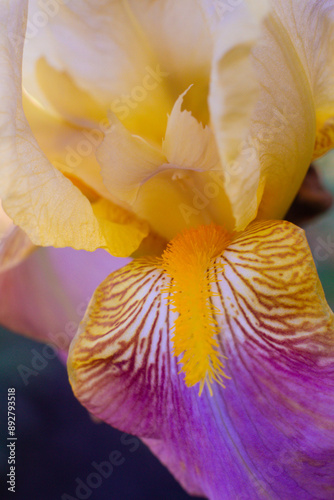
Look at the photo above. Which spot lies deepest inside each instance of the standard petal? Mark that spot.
(234, 93)
(34, 194)
(66, 98)
(72, 151)
(188, 144)
(272, 122)
(179, 185)
(127, 161)
(68, 148)
(119, 39)
(269, 433)
(45, 297)
(300, 120)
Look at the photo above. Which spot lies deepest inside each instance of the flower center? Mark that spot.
(189, 262)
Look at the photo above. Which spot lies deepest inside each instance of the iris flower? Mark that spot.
(179, 133)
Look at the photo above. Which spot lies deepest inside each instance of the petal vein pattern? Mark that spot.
(273, 422)
(133, 304)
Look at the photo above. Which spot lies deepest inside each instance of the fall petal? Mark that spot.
(269, 433)
(46, 295)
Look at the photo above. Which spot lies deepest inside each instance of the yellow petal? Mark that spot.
(38, 198)
(234, 91)
(119, 72)
(72, 103)
(266, 141)
(69, 148)
(146, 54)
(122, 231)
(188, 144)
(72, 151)
(306, 34)
(324, 141)
(35, 195)
(177, 186)
(127, 161)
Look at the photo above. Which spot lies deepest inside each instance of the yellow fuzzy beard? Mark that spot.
(188, 261)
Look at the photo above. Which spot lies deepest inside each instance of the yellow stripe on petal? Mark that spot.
(187, 261)
(324, 141)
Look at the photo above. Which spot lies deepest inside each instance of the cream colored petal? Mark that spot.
(127, 161)
(188, 144)
(305, 33)
(310, 26)
(133, 57)
(66, 98)
(69, 148)
(35, 195)
(234, 92)
(105, 46)
(173, 189)
(98, 45)
(183, 44)
(265, 164)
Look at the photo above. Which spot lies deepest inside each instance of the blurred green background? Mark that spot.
(322, 230)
